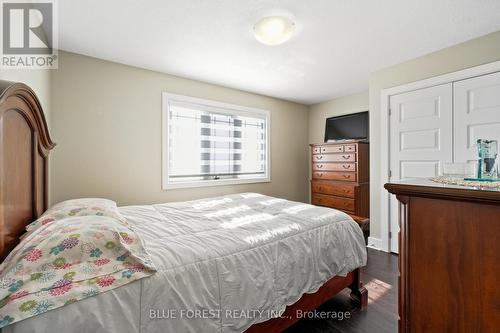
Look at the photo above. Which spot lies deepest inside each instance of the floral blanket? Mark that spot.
(68, 260)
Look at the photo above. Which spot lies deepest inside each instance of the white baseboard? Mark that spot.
(375, 243)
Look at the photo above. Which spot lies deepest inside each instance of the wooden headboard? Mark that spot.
(24, 148)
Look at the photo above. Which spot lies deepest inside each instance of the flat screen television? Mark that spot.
(349, 127)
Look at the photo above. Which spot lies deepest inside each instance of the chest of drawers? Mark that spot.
(340, 177)
(449, 254)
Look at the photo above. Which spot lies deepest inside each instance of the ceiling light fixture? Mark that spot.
(274, 30)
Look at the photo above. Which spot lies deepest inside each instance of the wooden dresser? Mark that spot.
(449, 258)
(340, 177)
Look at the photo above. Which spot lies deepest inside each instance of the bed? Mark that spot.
(259, 260)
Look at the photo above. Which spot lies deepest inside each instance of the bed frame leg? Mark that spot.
(358, 292)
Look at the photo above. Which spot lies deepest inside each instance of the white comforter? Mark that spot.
(223, 264)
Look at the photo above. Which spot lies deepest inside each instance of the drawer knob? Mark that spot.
(323, 149)
(346, 166)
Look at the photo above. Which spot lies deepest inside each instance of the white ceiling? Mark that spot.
(338, 43)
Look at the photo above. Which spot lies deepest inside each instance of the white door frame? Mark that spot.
(384, 128)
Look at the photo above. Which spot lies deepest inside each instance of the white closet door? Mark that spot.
(477, 114)
(420, 139)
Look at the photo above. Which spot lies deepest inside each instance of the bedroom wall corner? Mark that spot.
(318, 113)
(106, 120)
(335, 107)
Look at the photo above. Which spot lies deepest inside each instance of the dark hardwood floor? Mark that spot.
(380, 278)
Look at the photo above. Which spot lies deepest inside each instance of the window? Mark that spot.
(207, 143)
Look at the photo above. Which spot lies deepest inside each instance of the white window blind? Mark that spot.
(210, 143)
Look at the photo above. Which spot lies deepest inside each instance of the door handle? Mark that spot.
(319, 157)
(346, 157)
(320, 166)
(346, 166)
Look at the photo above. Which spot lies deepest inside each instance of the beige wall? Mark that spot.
(335, 107)
(37, 79)
(106, 120)
(472, 53)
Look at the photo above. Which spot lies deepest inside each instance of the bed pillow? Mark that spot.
(77, 207)
(64, 262)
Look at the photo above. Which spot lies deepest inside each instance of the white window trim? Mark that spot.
(231, 109)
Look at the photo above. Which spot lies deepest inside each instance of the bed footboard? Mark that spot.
(309, 302)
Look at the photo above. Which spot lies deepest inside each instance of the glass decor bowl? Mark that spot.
(459, 170)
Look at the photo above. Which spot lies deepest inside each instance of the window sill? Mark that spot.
(212, 183)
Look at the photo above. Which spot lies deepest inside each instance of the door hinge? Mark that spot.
(390, 173)
(390, 112)
(390, 235)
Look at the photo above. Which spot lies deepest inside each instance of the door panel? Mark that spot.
(418, 169)
(420, 139)
(476, 114)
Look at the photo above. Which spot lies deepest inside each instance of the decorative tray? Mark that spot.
(471, 182)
